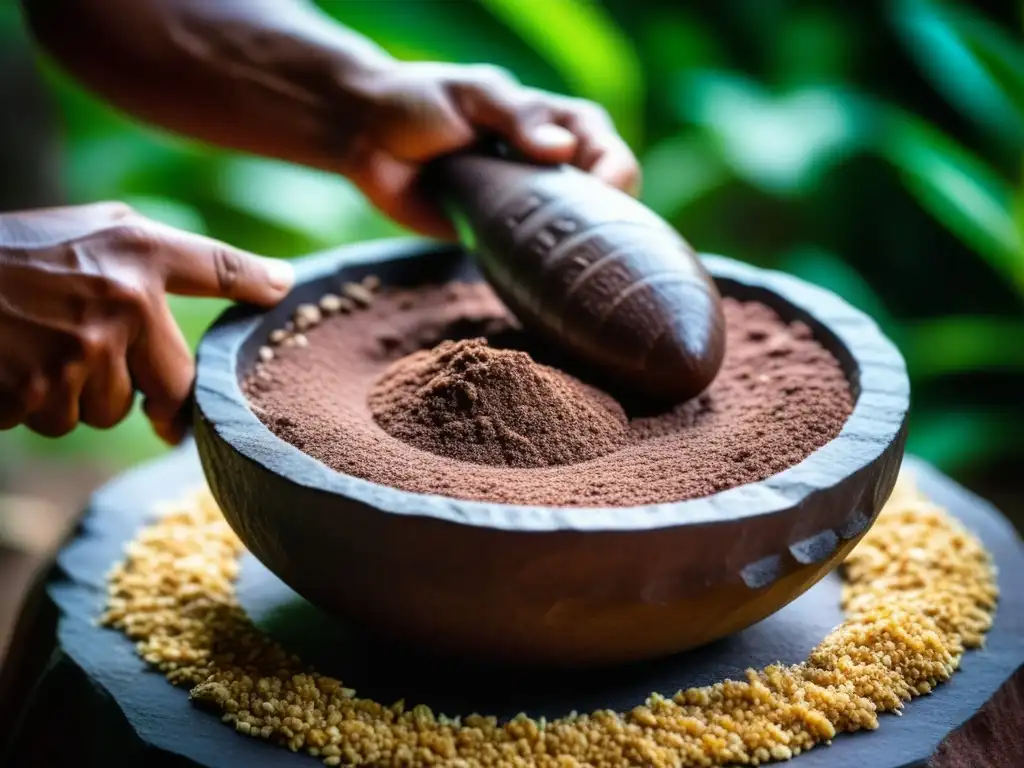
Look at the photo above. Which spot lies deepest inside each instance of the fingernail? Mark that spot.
(551, 136)
(280, 274)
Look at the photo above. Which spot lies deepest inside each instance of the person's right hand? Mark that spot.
(410, 113)
(84, 319)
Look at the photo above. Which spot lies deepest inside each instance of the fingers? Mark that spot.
(51, 379)
(601, 150)
(433, 110)
(199, 266)
(172, 431)
(391, 186)
(97, 389)
(58, 412)
(163, 370)
(20, 396)
(493, 100)
(108, 395)
(548, 128)
(93, 330)
(87, 382)
(12, 412)
(52, 408)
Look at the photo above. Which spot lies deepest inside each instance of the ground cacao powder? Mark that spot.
(466, 400)
(778, 396)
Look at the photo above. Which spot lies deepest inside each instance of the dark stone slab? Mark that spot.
(97, 703)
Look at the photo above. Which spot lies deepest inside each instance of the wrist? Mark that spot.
(362, 84)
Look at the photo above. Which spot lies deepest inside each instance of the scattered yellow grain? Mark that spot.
(919, 590)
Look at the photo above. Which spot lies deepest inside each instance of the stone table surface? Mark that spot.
(75, 691)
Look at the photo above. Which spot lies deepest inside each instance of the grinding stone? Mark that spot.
(132, 712)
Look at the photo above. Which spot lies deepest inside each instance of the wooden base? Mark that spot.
(94, 701)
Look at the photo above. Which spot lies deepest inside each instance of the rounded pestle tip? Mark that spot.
(592, 269)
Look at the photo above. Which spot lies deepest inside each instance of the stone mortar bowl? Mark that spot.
(547, 585)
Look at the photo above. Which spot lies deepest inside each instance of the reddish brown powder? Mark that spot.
(466, 400)
(778, 397)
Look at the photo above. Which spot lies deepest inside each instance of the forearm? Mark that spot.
(271, 77)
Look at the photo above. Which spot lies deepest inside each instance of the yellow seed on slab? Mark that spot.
(266, 354)
(278, 335)
(918, 590)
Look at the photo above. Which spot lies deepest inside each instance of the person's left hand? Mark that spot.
(84, 318)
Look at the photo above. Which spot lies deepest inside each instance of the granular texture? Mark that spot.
(919, 590)
(778, 396)
(468, 401)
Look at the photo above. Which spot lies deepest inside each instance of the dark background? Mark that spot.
(874, 148)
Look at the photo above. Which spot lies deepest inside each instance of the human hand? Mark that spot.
(419, 111)
(84, 319)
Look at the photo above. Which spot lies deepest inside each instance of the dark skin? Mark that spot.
(84, 323)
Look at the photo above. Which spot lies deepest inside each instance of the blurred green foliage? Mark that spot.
(874, 149)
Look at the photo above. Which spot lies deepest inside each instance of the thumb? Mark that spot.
(194, 265)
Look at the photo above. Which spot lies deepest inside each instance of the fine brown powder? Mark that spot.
(466, 400)
(778, 396)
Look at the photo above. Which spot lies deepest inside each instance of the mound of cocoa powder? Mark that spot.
(468, 401)
(373, 395)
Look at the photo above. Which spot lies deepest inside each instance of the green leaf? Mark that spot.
(319, 205)
(679, 171)
(173, 213)
(413, 30)
(829, 271)
(954, 440)
(999, 53)
(582, 41)
(194, 315)
(814, 45)
(1018, 207)
(782, 144)
(673, 40)
(119, 163)
(11, 28)
(959, 190)
(958, 344)
(952, 55)
(932, 348)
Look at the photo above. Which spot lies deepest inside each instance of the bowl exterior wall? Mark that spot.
(565, 597)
